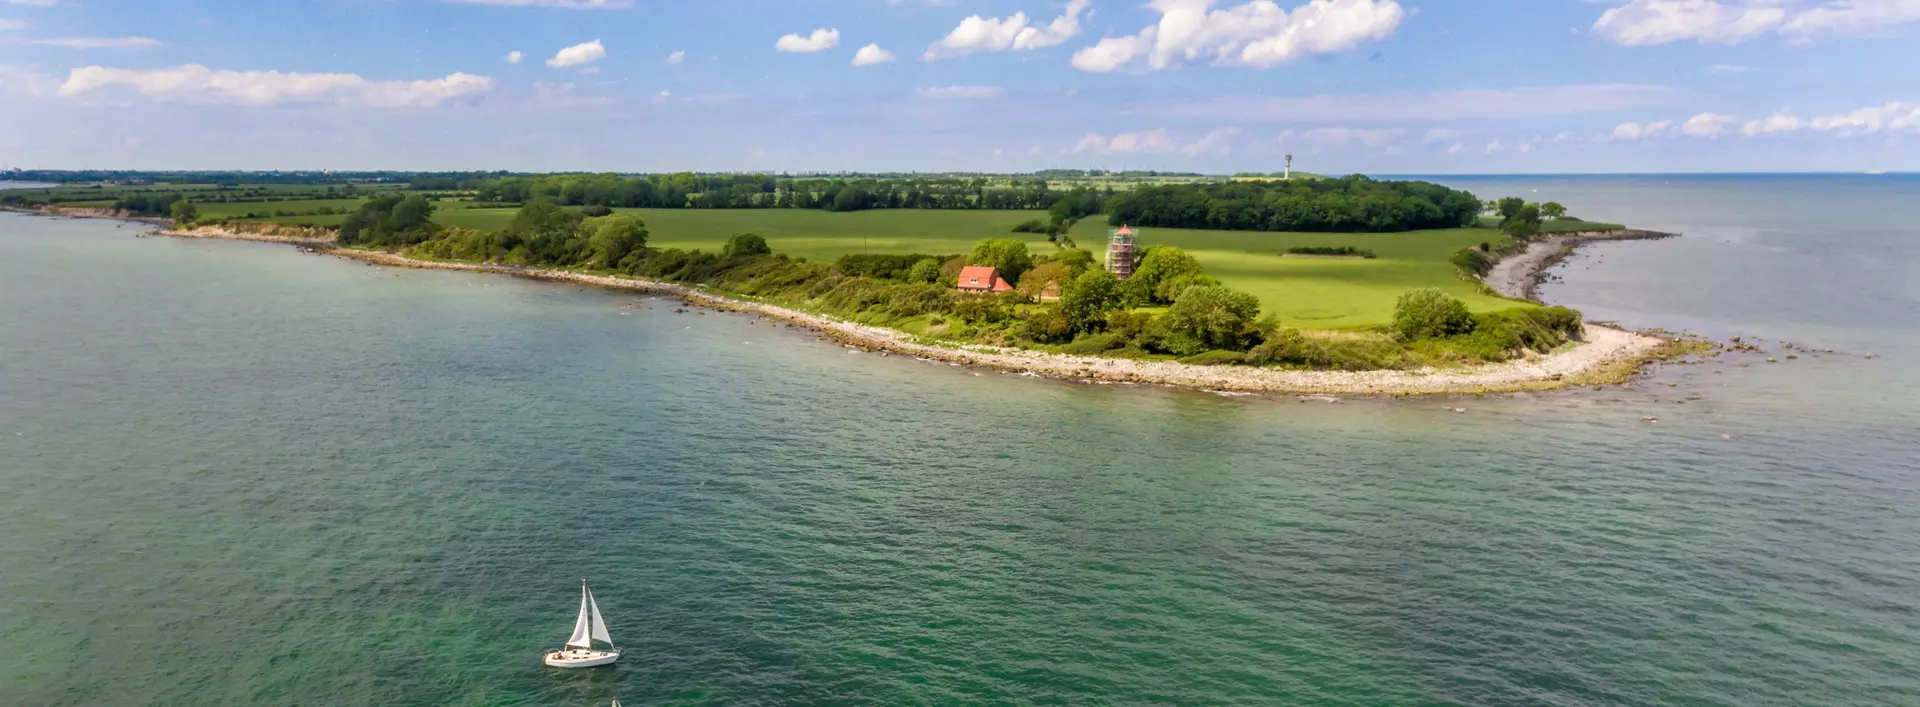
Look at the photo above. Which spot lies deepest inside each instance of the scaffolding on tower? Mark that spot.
(1121, 246)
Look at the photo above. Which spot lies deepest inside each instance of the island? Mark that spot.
(1301, 284)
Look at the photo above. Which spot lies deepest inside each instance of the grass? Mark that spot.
(816, 235)
(1563, 225)
(1326, 293)
(217, 210)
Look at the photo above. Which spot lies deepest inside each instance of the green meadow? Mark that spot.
(1313, 293)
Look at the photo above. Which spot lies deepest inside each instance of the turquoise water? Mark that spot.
(235, 474)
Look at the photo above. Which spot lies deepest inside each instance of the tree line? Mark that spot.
(687, 190)
(1355, 204)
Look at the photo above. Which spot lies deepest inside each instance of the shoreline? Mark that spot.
(1604, 355)
(1518, 275)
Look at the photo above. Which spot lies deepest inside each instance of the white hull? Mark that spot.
(576, 658)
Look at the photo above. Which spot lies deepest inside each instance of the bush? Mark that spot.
(1090, 344)
(1344, 250)
(1428, 313)
(1045, 325)
(926, 270)
(595, 210)
(1033, 226)
(746, 244)
(1086, 300)
(1210, 317)
(1477, 262)
(883, 266)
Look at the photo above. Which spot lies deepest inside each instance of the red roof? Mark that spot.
(1124, 231)
(980, 278)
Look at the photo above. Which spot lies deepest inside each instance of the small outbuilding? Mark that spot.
(1050, 293)
(982, 279)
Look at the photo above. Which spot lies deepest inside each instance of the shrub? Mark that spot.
(926, 270)
(1086, 300)
(1476, 262)
(1428, 313)
(746, 244)
(1210, 317)
(883, 266)
(1345, 250)
(1045, 325)
(594, 210)
(1089, 344)
(1033, 226)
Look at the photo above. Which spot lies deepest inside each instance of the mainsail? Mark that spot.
(582, 633)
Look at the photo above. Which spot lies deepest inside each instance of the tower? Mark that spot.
(1289, 172)
(1120, 252)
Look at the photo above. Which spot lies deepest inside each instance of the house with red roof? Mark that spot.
(982, 279)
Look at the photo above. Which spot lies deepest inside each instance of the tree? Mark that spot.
(1524, 223)
(1553, 209)
(1048, 272)
(1157, 265)
(745, 244)
(1510, 206)
(1428, 313)
(926, 271)
(184, 213)
(1086, 299)
(1211, 317)
(616, 237)
(1076, 260)
(1007, 255)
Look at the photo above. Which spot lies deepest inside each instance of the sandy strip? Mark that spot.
(1518, 275)
(1606, 354)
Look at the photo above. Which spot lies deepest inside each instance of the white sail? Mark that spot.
(599, 625)
(582, 635)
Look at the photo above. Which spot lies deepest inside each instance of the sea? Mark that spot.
(236, 474)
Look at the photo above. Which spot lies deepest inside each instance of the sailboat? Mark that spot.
(580, 651)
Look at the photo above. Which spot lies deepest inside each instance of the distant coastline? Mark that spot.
(1605, 355)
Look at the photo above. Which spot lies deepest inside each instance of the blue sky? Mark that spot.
(1381, 86)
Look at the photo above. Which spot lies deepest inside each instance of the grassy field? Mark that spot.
(1565, 225)
(217, 210)
(1326, 293)
(816, 235)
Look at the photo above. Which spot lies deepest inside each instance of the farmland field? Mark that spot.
(816, 235)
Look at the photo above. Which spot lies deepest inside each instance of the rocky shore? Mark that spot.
(1518, 275)
(1605, 355)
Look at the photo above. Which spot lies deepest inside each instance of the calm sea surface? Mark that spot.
(234, 474)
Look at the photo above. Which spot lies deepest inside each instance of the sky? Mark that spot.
(1214, 86)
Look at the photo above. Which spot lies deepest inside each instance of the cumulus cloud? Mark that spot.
(1650, 22)
(674, 59)
(1898, 116)
(1782, 122)
(1443, 135)
(14, 79)
(1015, 33)
(92, 42)
(962, 92)
(872, 54)
(584, 53)
(1707, 125)
(563, 4)
(515, 57)
(1257, 34)
(1647, 22)
(1342, 137)
(1456, 148)
(1150, 141)
(193, 83)
(1219, 141)
(1521, 146)
(821, 40)
(1636, 131)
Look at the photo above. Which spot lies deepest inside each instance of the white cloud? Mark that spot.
(92, 42)
(1636, 131)
(1648, 22)
(981, 34)
(1150, 141)
(566, 95)
(1897, 116)
(1443, 135)
(1707, 125)
(1566, 136)
(1731, 68)
(1781, 122)
(1219, 141)
(14, 79)
(578, 54)
(1521, 146)
(1256, 34)
(515, 57)
(35, 3)
(198, 84)
(821, 40)
(872, 54)
(675, 59)
(14, 25)
(1854, 16)
(1474, 104)
(1456, 148)
(962, 92)
(1342, 137)
(563, 4)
